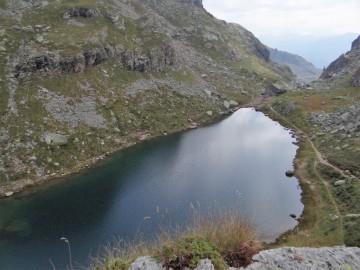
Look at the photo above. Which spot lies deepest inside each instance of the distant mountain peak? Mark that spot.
(305, 71)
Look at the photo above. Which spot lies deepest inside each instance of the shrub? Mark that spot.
(223, 237)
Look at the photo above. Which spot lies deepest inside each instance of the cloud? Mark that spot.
(320, 17)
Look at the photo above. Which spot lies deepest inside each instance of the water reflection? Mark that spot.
(238, 163)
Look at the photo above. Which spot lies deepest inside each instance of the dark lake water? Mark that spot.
(238, 163)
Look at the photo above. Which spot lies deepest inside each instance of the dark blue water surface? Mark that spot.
(238, 163)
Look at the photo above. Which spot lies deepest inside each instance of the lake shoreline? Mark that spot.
(24, 186)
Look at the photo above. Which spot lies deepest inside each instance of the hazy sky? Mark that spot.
(277, 17)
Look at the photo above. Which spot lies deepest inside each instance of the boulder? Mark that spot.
(226, 104)
(8, 194)
(275, 89)
(289, 173)
(233, 103)
(55, 139)
(306, 258)
(340, 183)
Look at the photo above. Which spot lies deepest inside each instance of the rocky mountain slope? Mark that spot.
(80, 79)
(305, 71)
(344, 70)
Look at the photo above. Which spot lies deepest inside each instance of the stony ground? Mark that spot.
(287, 258)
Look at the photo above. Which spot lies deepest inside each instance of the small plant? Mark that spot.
(119, 255)
(224, 237)
(187, 251)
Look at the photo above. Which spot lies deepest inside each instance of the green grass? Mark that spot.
(315, 224)
(225, 237)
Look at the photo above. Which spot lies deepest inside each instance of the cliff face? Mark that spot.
(345, 68)
(102, 75)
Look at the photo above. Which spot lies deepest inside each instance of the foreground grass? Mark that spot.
(224, 237)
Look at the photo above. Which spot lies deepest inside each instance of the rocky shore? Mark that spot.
(289, 258)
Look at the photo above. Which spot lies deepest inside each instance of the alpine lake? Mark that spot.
(238, 163)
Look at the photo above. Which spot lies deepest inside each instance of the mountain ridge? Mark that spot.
(305, 71)
(344, 70)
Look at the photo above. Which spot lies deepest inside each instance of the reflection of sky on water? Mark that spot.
(238, 163)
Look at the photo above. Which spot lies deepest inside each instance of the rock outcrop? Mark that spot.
(345, 121)
(136, 60)
(290, 258)
(82, 12)
(347, 65)
(253, 44)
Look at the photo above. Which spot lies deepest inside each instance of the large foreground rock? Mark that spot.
(289, 258)
(307, 258)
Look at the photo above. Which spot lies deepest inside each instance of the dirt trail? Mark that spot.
(319, 156)
(322, 160)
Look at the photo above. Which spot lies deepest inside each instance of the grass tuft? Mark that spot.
(224, 237)
(119, 255)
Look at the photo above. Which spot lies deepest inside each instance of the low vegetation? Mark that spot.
(331, 207)
(225, 237)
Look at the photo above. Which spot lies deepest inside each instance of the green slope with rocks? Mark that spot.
(326, 117)
(80, 79)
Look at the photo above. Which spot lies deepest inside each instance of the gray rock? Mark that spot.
(340, 183)
(233, 103)
(226, 104)
(54, 139)
(146, 263)
(8, 194)
(82, 12)
(352, 215)
(205, 265)
(40, 38)
(208, 92)
(274, 89)
(290, 258)
(33, 158)
(209, 113)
